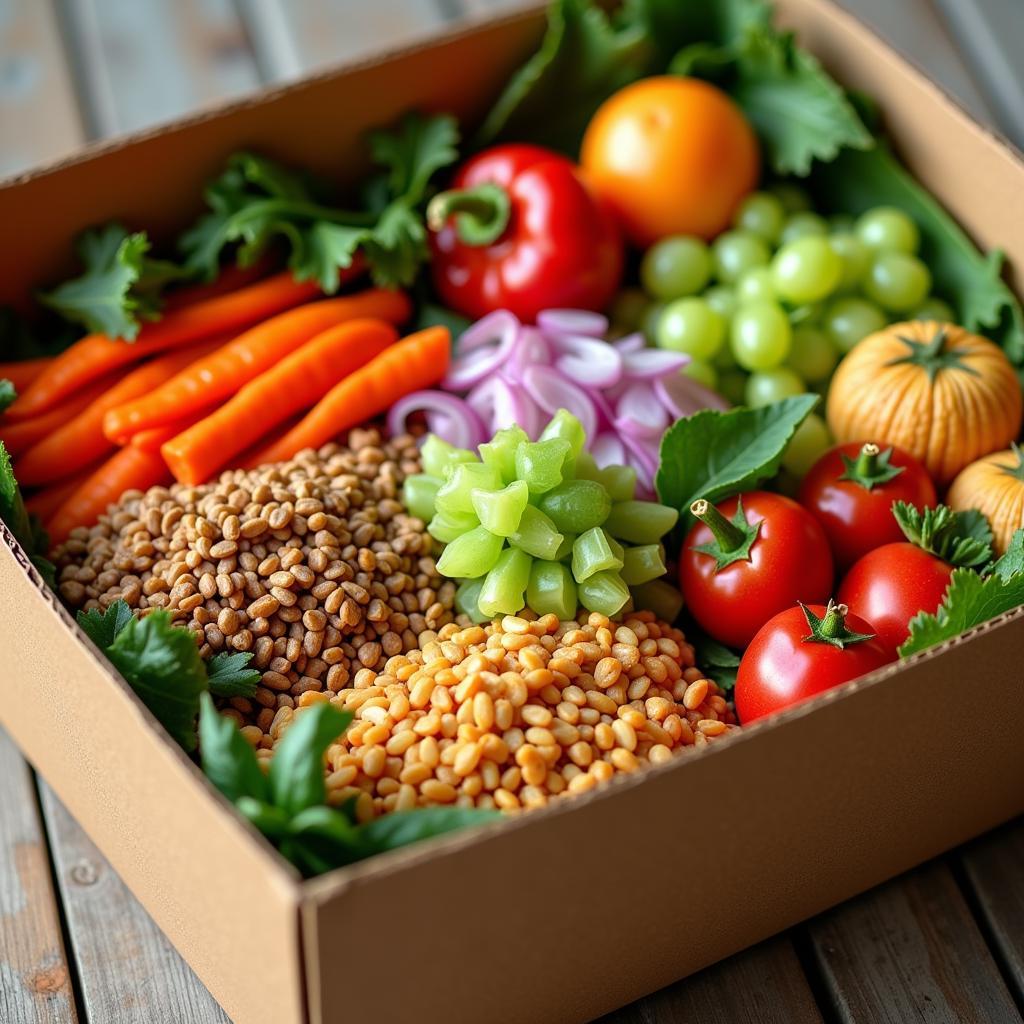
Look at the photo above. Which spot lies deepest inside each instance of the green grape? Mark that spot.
(471, 555)
(642, 563)
(419, 494)
(551, 590)
(756, 285)
(803, 224)
(505, 585)
(849, 320)
(761, 336)
(897, 282)
(659, 597)
(604, 592)
(806, 315)
(593, 552)
(855, 257)
(627, 310)
(934, 308)
(762, 214)
(536, 535)
(455, 494)
(500, 451)
(772, 386)
(446, 526)
(732, 386)
(676, 266)
(541, 463)
(812, 354)
(691, 326)
(792, 196)
(576, 505)
(702, 372)
(888, 229)
(724, 359)
(467, 598)
(501, 511)
(737, 251)
(640, 522)
(810, 441)
(806, 270)
(649, 323)
(563, 424)
(722, 300)
(841, 223)
(437, 455)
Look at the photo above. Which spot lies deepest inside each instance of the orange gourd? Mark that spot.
(995, 485)
(933, 389)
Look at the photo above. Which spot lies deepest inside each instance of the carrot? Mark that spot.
(81, 440)
(130, 469)
(45, 502)
(415, 362)
(220, 375)
(96, 354)
(23, 373)
(19, 437)
(151, 439)
(296, 382)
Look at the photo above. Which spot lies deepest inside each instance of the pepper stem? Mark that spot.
(728, 536)
(481, 213)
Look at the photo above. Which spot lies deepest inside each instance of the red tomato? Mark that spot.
(788, 561)
(891, 584)
(856, 517)
(782, 667)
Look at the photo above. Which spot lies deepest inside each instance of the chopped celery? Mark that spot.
(500, 451)
(467, 598)
(471, 555)
(446, 526)
(564, 552)
(564, 424)
(536, 534)
(541, 463)
(419, 493)
(642, 564)
(576, 505)
(456, 493)
(501, 511)
(618, 481)
(593, 553)
(640, 522)
(659, 597)
(437, 455)
(551, 590)
(604, 592)
(505, 585)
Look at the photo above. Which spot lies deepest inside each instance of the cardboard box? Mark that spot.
(564, 913)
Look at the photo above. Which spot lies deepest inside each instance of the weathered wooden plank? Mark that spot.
(39, 118)
(764, 984)
(128, 971)
(142, 63)
(910, 951)
(35, 984)
(994, 868)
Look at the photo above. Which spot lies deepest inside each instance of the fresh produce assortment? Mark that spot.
(666, 403)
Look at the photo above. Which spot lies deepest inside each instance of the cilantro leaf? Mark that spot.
(103, 626)
(415, 152)
(959, 538)
(7, 393)
(228, 676)
(227, 758)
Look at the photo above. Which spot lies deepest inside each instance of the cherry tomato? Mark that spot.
(783, 557)
(787, 663)
(672, 156)
(850, 491)
(890, 585)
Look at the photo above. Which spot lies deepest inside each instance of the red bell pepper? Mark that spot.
(520, 230)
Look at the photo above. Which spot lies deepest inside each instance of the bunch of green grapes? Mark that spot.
(537, 524)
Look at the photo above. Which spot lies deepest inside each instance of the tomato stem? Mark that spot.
(728, 536)
(872, 466)
(733, 537)
(481, 213)
(830, 628)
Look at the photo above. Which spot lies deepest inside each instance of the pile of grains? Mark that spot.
(312, 564)
(511, 714)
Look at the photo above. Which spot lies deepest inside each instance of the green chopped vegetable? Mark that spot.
(604, 593)
(470, 555)
(551, 590)
(505, 585)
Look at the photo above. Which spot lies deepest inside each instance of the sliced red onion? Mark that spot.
(630, 343)
(491, 329)
(501, 404)
(551, 391)
(645, 452)
(588, 362)
(608, 450)
(472, 367)
(683, 396)
(463, 427)
(530, 349)
(573, 321)
(639, 413)
(652, 362)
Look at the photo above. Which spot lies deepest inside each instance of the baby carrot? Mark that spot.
(96, 354)
(22, 374)
(221, 374)
(415, 362)
(130, 469)
(45, 502)
(296, 382)
(81, 440)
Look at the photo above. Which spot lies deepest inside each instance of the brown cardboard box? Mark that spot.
(564, 913)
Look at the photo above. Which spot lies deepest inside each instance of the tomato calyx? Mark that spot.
(481, 213)
(733, 537)
(963, 539)
(871, 467)
(830, 628)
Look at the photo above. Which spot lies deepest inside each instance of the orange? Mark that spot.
(671, 156)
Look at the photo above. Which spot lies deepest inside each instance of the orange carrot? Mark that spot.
(22, 374)
(130, 469)
(296, 382)
(415, 362)
(151, 439)
(45, 502)
(220, 375)
(81, 440)
(19, 437)
(96, 354)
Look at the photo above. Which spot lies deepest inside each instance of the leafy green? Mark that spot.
(26, 529)
(228, 676)
(959, 538)
(713, 455)
(7, 393)
(228, 759)
(297, 770)
(101, 626)
(120, 286)
(715, 660)
(1011, 561)
(19, 341)
(256, 200)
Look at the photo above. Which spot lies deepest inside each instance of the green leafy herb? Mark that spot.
(101, 626)
(229, 761)
(715, 660)
(257, 200)
(7, 393)
(1011, 562)
(120, 287)
(18, 341)
(26, 529)
(959, 538)
(713, 455)
(228, 676)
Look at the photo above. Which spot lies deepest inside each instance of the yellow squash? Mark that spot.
(935, 390)
(995, 485)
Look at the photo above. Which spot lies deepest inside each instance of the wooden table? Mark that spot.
(942, 943)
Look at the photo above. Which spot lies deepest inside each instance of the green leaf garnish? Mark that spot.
(228, 676)
(228, 759)
(102, 626)
(959, 538)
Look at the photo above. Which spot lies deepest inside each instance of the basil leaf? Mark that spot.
(227, 757)
(297, 768)
(103, 626)
(228, 676)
